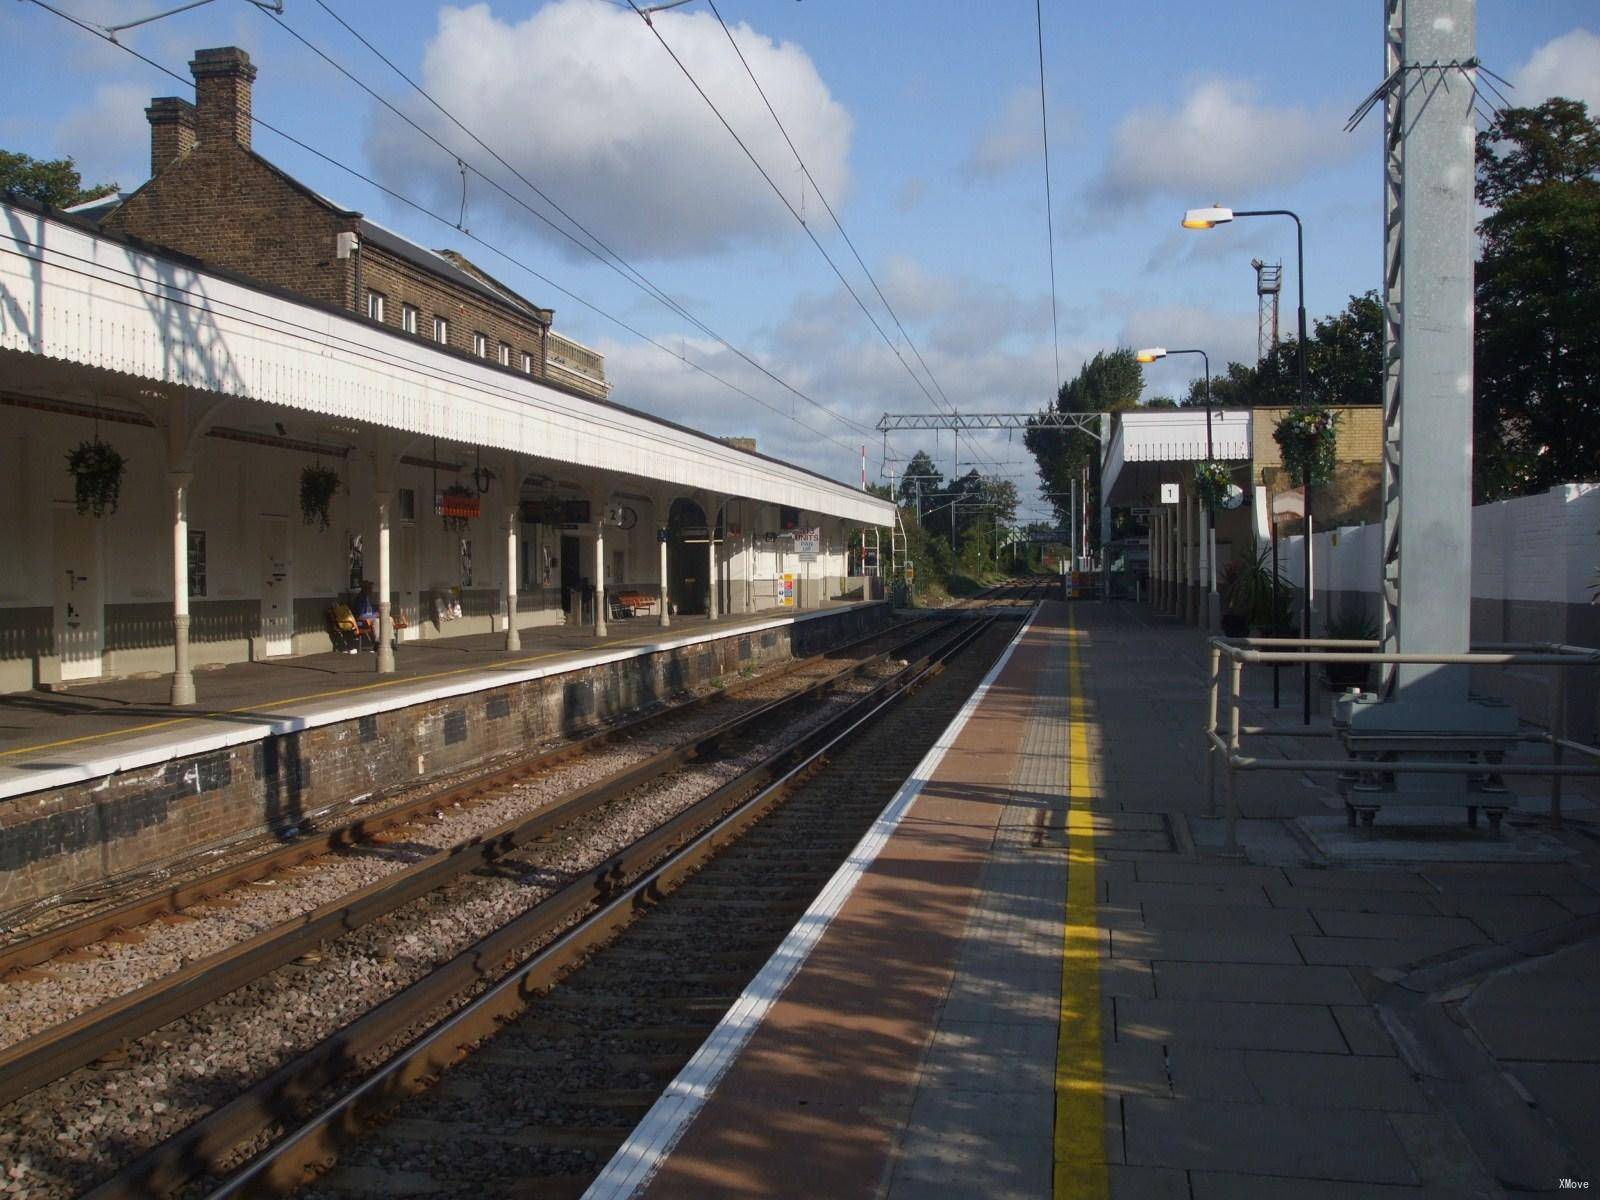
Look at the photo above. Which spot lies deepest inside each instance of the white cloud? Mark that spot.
(582, 99)
(1219, 144)
(1013, 139)
(108, 137)
(1568, 66)
(910, 194)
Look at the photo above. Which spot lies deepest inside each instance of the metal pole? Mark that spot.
(1211, 730)
(1230, 844)
(1277, 599)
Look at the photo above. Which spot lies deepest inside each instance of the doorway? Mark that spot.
(277, 588)
(79, 596)
(406, 581)
(570, 573)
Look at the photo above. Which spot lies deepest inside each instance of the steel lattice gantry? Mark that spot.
(1092, 423)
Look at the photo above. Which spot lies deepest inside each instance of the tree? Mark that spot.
(55, 183)
(1109, 382)
(1537, 361)
(921, 478)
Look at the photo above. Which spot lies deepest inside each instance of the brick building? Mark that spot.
(212, 197)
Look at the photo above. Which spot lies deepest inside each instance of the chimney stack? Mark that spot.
(222, 79)
(172, 131)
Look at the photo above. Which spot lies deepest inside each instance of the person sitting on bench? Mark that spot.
(366, 607)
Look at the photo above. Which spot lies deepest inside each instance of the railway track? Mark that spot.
(530, 1096)
(94, 1040)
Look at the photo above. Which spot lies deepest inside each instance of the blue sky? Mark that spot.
(920, 121)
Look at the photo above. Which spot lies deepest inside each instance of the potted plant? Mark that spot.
(317, 487)
(1211, 482)
(1308, 439)
(1350, 624)
(96, 469)
(1248, 591)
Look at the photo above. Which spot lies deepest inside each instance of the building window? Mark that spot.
(375, 305)
(480, 345)
(505, 354)
(406, 504)
(197, 562)
(441, 331)
(527, 363)
(408, 317)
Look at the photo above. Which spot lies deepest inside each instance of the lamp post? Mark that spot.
(1209, 218)
(1213, 604)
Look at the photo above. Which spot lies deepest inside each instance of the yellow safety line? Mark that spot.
(1080, 1149)
(365, 687)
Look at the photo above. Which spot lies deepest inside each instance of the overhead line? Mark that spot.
(1049, 205)
(867, 271)
(443, 220)
(777, 191)
(621, 266)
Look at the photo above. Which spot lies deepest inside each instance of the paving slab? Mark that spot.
(1369, 952)
(1362, 1030)
(1548, 1035)
(1231, 1185)
(1219, 944)
(1223, 1024)
(1333, 1081)
(1455, 931)
(1411, 837)
(1276, 1139)
(1130, 892)
(1567, 1094)
(1345, 899)
(1504, 917)
(1176, 914)
(1147, 1183)
(1315, 985)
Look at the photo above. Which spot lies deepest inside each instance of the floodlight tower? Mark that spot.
(1269, 282)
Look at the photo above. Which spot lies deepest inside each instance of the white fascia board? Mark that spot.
(68, 294)
(1179, 435)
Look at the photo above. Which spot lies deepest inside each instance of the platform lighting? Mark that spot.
(1206, 218)
(1150, 355)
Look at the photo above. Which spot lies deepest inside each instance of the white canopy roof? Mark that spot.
(71, 294)
(1169, 435)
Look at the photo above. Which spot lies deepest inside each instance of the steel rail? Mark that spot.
(95, 927)
(35, 1061)
(204, 1146)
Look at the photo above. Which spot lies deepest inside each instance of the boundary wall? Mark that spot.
(1535, 561)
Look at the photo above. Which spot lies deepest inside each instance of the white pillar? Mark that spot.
(711, 567)
(385, 616)
(182, 676)
(513, 638)
(661, 541)
(600, 571)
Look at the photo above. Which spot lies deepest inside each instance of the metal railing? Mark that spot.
(1272, 651)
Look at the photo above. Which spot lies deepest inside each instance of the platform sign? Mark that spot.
(787, 598)
(808, 542)
(1169, 493)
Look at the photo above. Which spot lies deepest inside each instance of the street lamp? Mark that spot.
(1150, 355)
(1209, 218)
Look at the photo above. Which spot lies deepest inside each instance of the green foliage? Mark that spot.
(1211, 481)
(1537, 368)
(1308, 437)
(55, 182)
(1247, 589)
(1109, 382)
(96, 469)
(318, 484)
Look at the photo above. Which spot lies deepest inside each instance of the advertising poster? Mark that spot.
(787, 598)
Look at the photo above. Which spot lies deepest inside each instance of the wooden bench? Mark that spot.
(631, 604)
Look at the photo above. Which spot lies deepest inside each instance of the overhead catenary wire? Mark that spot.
(444, 220)
(777, 191)
(1049, 204)
(599, 250)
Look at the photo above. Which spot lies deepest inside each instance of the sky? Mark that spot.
(919, 126)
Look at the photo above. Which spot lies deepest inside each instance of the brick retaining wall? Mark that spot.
(65, 838)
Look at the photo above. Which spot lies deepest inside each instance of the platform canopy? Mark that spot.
(1154, 445)
(167, 326)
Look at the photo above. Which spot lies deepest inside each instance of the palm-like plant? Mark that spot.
(1247, 586)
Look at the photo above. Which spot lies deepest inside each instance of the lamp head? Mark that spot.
(1150, 354)
(1205, 218)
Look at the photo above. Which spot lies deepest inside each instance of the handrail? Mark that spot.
(1242, 651)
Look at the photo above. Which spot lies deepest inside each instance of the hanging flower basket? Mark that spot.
(1212, 481)
(1309, 441)
(317, 487)
(96, 468)
(457, 505)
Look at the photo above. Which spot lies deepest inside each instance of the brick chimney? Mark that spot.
(172, 131)
(222, 79)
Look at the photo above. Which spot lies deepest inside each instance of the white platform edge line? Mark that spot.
(647, 1146)
(17, 780)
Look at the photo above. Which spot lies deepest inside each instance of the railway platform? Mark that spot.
(1028, 982)
(109, 778)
